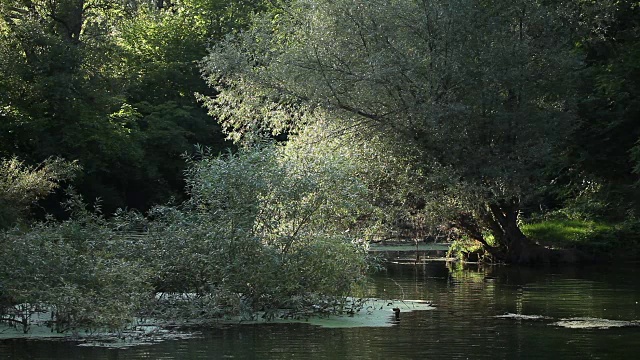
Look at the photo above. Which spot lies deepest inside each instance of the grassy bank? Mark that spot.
(605, 241)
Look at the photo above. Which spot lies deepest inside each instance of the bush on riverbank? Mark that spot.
(76, 270)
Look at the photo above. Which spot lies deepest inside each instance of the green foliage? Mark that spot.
(467, 249)
(111, 84)
(602, 239)
(602, 149)
(161, 46)
(461, 247)
(265, 228)
(62, 91)
(284, 196)
(22, 185)
(478, 95)
(635, 157)
(73, 270)
(262, 230)
(565, 232)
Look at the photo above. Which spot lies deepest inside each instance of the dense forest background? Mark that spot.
(111, 84)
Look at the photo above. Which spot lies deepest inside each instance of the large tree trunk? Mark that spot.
(69, 19)
(515, 247)
(66, 19)
(510, 244)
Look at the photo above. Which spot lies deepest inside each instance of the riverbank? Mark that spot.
(603, 241)
(587, 241)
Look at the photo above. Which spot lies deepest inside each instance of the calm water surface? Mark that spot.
(462, 327)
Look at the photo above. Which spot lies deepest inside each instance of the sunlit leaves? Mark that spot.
(479, 94)
(278, 194)
(260, 226)
(22, 185)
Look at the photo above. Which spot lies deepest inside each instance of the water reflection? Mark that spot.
(463, 326)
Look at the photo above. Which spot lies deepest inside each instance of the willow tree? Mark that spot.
(475, 91)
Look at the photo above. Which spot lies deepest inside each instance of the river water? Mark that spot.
(463, 325)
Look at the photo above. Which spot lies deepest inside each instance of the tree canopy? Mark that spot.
(111, 84)
(479, 92)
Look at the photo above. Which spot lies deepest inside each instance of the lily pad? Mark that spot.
(375, 313)
(594, 323)
(523, 317)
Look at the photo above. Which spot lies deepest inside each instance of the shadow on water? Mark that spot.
(464, 325)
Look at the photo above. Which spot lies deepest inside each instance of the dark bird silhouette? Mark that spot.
(396, 311)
